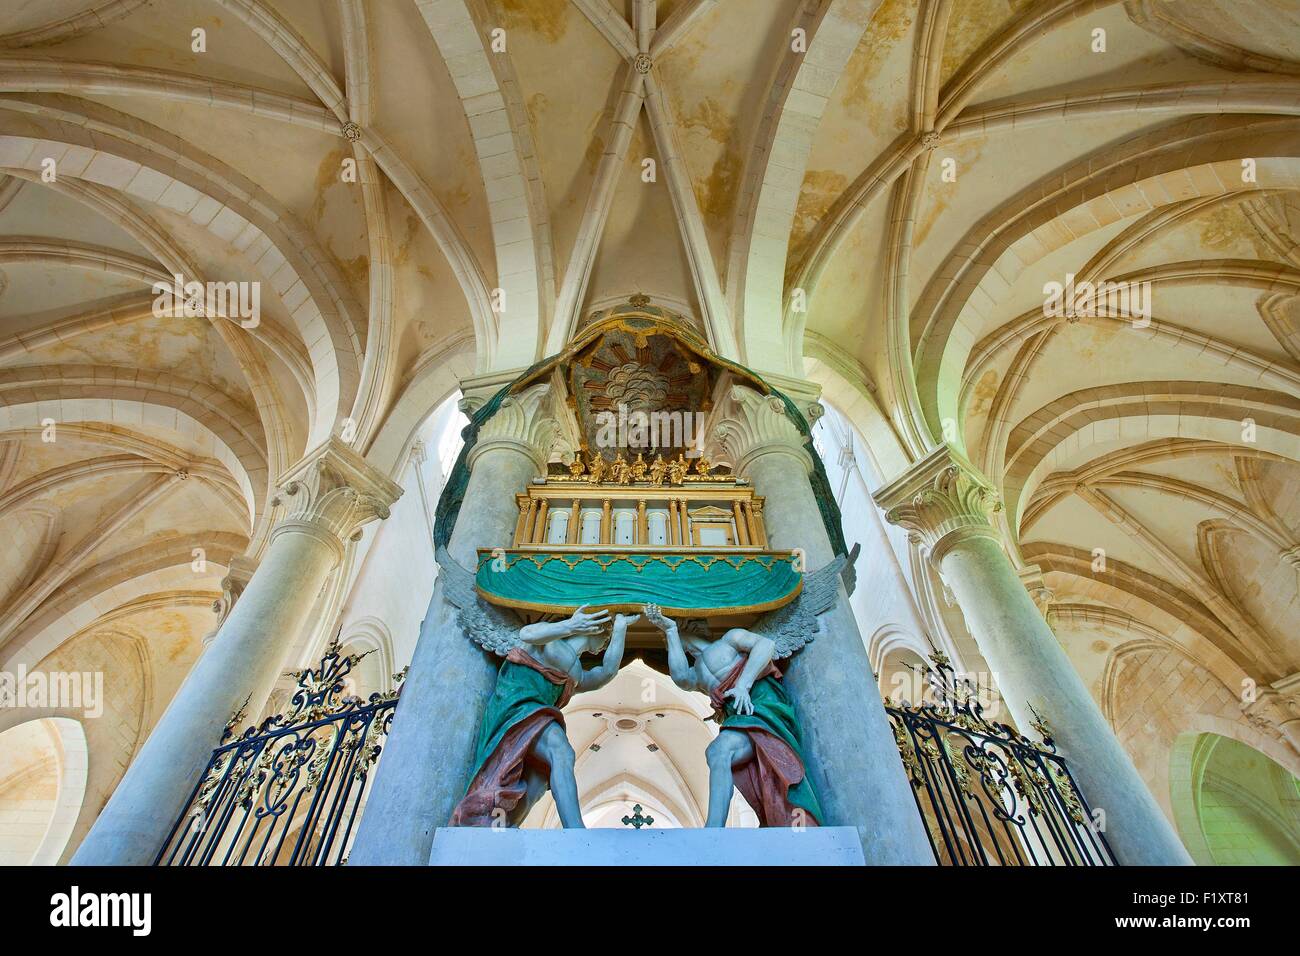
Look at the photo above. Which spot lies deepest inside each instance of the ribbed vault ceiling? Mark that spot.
(516, 178)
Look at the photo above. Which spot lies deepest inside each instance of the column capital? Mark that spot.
(525, 422)
(332, 492)
(801, 391)
(941, 500)
(419, 453)
(749, 425)
(1031, 575)
(476, 390)
(238, 573)
(1276, 708)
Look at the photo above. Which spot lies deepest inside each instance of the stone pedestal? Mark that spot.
(813, 846)
(332, 492)
(947, 506)
(852, 758)
(426, 761)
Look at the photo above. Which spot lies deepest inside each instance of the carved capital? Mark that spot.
(1277, 709)
(419, 453)
(238, 574)
(477, 390)
(1031, 575)
(526, 422)
(332, 492)
(749, 425)
(1292, 556)
(942, 500)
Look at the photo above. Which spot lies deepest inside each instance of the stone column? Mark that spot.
(850, 750)
(332, 492)
(948, 507)
(426, 762)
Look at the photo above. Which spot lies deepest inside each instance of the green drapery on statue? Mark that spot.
(774, 782)
(528, 696)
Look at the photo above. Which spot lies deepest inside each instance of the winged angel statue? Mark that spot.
(522, 747)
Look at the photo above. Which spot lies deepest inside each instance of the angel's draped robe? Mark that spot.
(528, 696)
(773, 781)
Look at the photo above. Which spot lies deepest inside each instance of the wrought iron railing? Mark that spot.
(989, 795)
(289, 791)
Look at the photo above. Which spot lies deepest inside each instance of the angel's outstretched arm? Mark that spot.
(543, 632)
(679, 668)
(602, 674)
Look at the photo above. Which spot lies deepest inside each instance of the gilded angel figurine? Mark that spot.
(637, 470)
(619, 470)
(658, 468)
(677, 469)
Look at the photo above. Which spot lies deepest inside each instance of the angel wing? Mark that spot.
(492, 628)
(850, 572)
(794, 625)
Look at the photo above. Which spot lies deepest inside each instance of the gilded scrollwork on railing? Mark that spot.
(989, 794)
(288, 790)
(905, 750)
(1069, 795)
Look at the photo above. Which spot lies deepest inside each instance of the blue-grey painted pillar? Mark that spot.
(423, 770)
(851, 755)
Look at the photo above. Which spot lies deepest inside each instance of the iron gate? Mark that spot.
(989, 795)
(287, 792)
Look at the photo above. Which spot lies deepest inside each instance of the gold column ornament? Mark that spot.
(539, 529)
(525, 509)
(750, 524)
(742, 531)
(529, 521)
(575, 519)
(760, 526)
